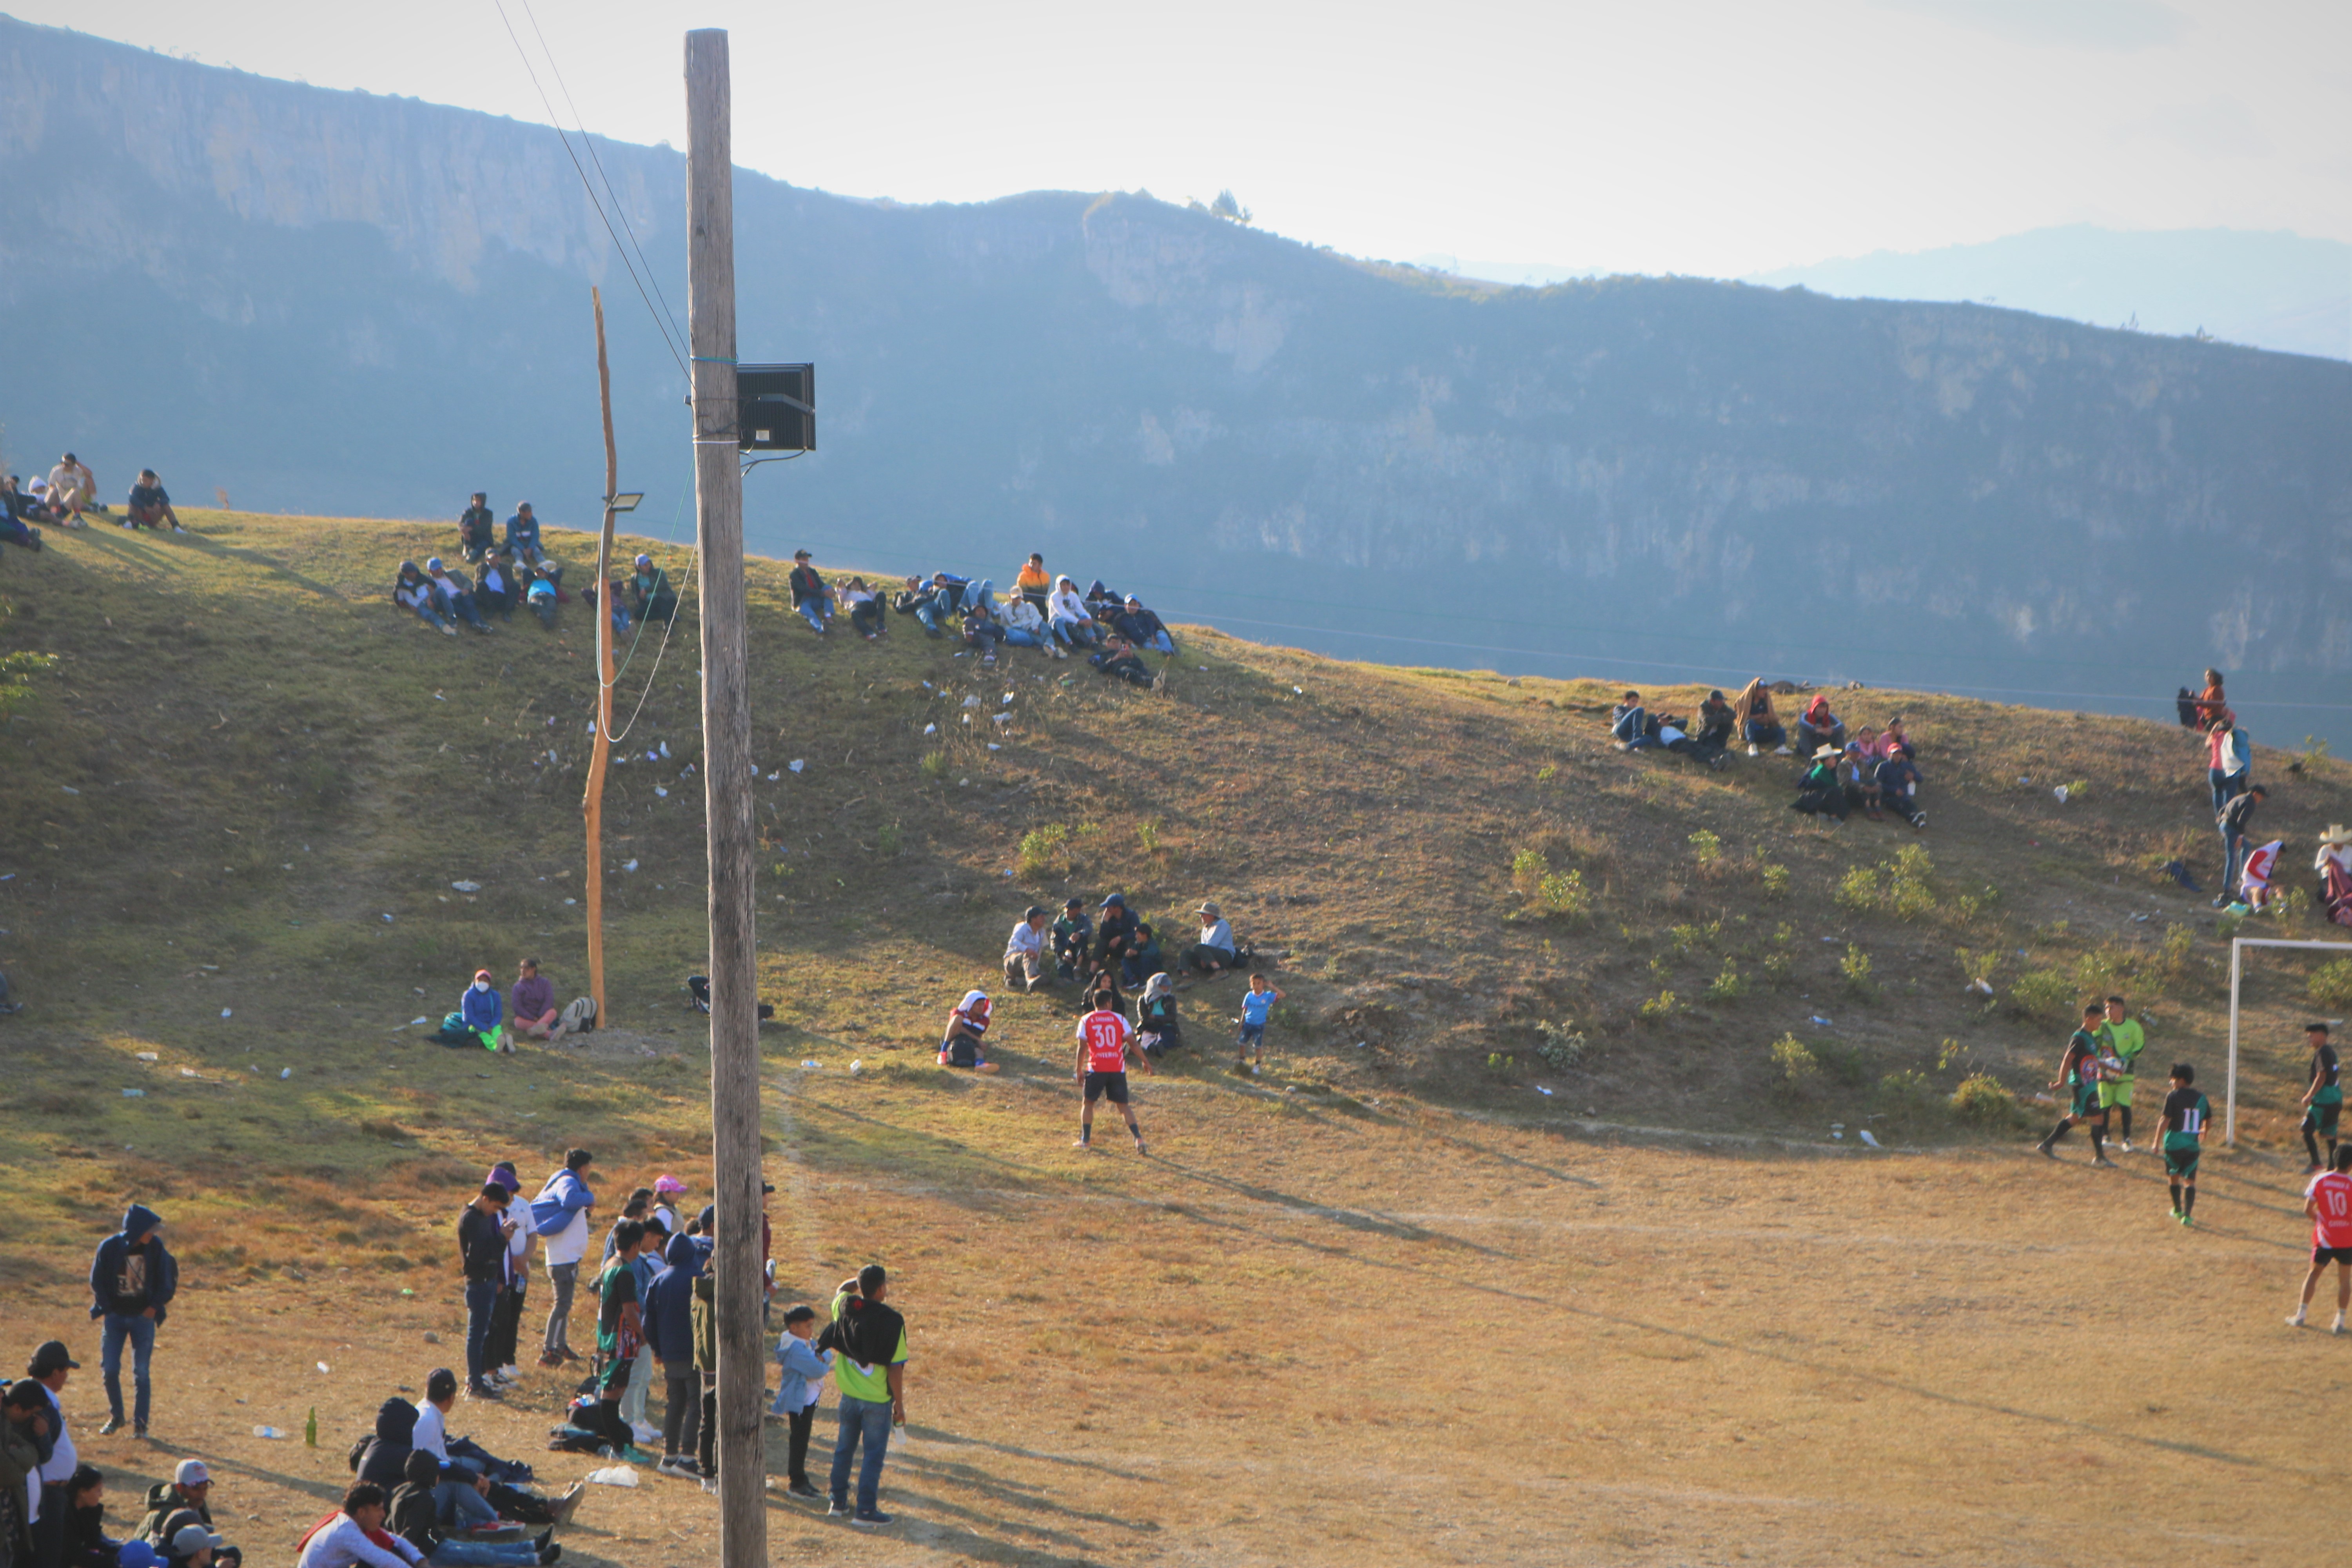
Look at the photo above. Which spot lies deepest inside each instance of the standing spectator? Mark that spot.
(669, 1334)
(413, 590)
(650, 596)
(535, 1012)
(2212, 702)
(798, 1386)
(20, 1469)
(482, 1231)
(478, 528)
(620, 1327)
(2186, 706)
(811, 599)
(73, 489)
(1257, 1009)
(150, 504)
(455, 595)
(2228, 758)
(1215, 953)
(1024, 950)
(48, 1371)
(870, 1371)
(506, 1317)
(1032, 584)
(2236, 816)
(705, 1315)
(1758, 724)
(1105, 1044)
(559, 1213)
(131, 1282)
(669, 1196)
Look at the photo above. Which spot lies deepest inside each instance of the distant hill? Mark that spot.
(340, 303)
(2279, 292)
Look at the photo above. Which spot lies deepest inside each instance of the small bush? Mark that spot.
(2331, 984)
(1498, 1062)
(1982, 1100)
(1563, 893)
(934, 764)
(1528, 868)
(1547, 772)
(1855, 965)
(2044, 994)
(1797, 1064)
(1705, 847)
(1858, 888)
(1776, 968)
(888, 840)
(1776, 879)
(1662, 1006)
(1043, 849)
(1727, 986)
(1907, 1095)
(1562, 1047)
(1148, 835)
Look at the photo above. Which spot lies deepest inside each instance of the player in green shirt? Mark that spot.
(2079, 1072)
(2185, 1111)
(2122, 1038)
(2324, 1100)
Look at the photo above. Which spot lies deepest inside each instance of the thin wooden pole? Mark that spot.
(592, 804)
(726, 798)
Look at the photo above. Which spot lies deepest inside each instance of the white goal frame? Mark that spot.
(2238, 946)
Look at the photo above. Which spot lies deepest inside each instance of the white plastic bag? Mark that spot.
(614, 1476)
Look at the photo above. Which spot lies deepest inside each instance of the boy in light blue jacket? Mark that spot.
(805, 1367)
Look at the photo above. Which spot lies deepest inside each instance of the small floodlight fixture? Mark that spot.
(625, 501)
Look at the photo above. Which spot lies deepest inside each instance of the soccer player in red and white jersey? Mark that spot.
(1105, 1042)
(2329, 1202)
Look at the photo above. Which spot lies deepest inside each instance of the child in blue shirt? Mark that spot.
(1258, 1005)
(802, 1381)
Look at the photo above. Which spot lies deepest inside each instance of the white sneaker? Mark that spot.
(1752, 750)
(2125, 1146)
(2337, 1327)
(2296, 1321)
(1782, 752)
(646, 1436)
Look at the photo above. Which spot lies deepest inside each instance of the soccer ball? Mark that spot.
(856, 1067)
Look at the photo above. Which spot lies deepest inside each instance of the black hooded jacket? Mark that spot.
(383, 1459)
(155, 1268)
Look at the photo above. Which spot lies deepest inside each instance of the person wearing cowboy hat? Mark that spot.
(1215, 953)
(1820, 792)
(1024, 950)
(651, 598)
(2334, 865)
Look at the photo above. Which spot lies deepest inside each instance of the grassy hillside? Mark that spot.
(248, 786)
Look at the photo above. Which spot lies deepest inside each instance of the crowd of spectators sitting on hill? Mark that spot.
(517, 573)
(69, 493)
(1875, 772)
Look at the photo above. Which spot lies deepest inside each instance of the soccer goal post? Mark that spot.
(2238, 946)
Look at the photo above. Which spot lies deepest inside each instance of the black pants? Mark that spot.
(796, 1451)
(506, 1327)
(707, 1450)
(681, 1411)
(866, 616)
(49, 1527)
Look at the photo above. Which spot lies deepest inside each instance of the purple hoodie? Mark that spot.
(532, 997)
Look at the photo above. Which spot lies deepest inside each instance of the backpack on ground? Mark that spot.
(453, 1031)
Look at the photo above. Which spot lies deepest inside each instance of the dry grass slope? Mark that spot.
(1390, 1302)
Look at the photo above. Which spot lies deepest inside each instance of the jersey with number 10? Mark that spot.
(1104, 1033)
(2332, 1226)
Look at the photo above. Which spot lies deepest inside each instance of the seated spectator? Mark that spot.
(522, 542)
(1215, 953)
(1894, 735)
(17, 515)
(966, 1034)
(1119, 662)
(1024, 627)
(478, 528)
(1157, 1029)
(982, 631)
(1819, 727)
(1897, 781)
(949, 589)
(541, 593)
(1628, 723)
(1758, 724)
(922, 601)
(150, 505)
(1667, 730)
(183, 1500)
(864, 609)
(1114, 932)
(415, 591)
(417, 1516)
(1143, 958)
(456, 595)
(1032, 584)
(811, 599)
(536, 1015)
(1820, 792)
(500, 590)
(354, 1535)
(1074, 936)
(480, 1005)
(73, 490)
(1101, 601)
(1858, 776)
(651, 597)
(1716, 722)
(1067, 617)
(1141, 627)
(87, 1544)
(2334, 865)
(1024, 950)
(192, 1547)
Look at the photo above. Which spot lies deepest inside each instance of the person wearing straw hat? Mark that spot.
(1818, 792)
(1215, 953)
(2334, 865)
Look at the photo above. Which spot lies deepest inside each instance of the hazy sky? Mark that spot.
(1704, 136)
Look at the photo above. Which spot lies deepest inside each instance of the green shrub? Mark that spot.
(1563, 893)
(1776, 968)
(1560, 1046)
(2044, 994)
(1858, 888)
(934, 764)
(1662, 1006)
(1776, 879)
(1705, 847)
(1148, 835)
(1547, 772)
(1498, 1062)
(889, 839)
(1983, 1101)
(1528, 869)
(1908, 1095)
(2331, 984)
(1795, 1060)
(1727, 986)
(1043, 849)
(1856, 967)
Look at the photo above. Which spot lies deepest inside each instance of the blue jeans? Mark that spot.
(1766, 732)
(866, 1421)
(1020, 638)
(1072, 631)
(811, 611)
(140, 1332)
(485, 1555)
(430, 616)
(2233, 860)
(1160, 642)
(983, 593)
(481, 1297)
(457, 1503)
(932, 606)
(462, 606)
(2227, 787)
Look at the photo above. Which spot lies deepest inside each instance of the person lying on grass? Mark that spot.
(1118, 660)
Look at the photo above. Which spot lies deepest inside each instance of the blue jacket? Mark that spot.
(803, 1366)
(106, 1268)
(523, 533)
(669, 1303)
(480, 1009)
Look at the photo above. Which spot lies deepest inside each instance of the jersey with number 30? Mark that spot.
(2332, 1226)
(1104, 1033)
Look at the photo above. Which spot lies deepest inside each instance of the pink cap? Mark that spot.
(669, 1185)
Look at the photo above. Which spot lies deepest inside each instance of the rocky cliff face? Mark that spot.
(340, 302)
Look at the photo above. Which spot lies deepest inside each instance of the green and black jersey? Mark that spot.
(2185, 1113)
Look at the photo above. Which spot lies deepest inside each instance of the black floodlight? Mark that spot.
(775, 407)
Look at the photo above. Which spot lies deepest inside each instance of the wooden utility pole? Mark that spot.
(727, 800)
(592, 805)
